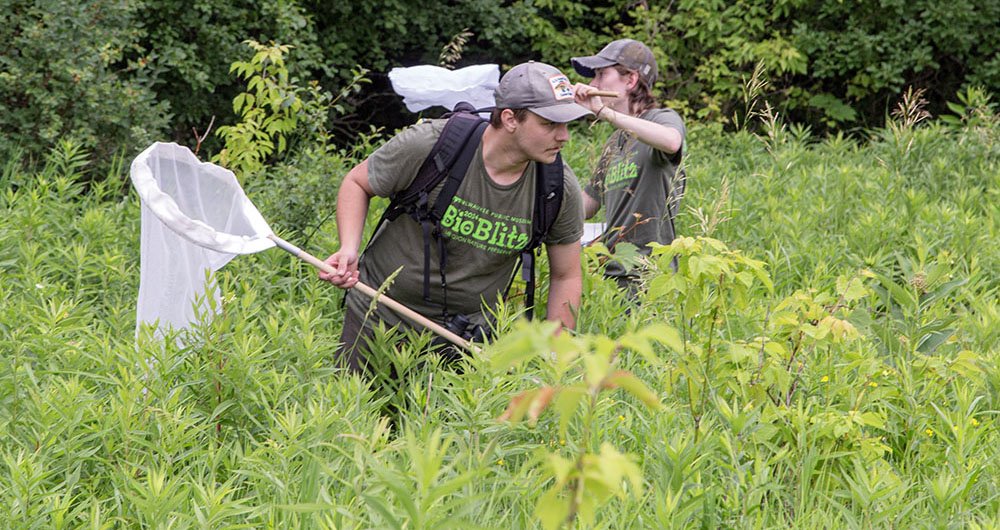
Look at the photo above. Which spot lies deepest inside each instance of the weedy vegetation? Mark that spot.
(824, 354)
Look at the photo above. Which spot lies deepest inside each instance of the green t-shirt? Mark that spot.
(635, 182)
(485, 228)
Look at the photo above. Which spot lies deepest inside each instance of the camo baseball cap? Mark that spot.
(540, 88)
(629, 53)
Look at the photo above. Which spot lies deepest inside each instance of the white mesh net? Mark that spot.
(427, 86)
(195, 218)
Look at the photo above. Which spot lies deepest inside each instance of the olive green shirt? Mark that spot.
(485, 228)
(638, 186)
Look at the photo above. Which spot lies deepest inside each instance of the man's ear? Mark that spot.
(508, 120)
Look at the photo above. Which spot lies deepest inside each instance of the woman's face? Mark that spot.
(608, 78)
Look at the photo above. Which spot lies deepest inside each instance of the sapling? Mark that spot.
(582, 368)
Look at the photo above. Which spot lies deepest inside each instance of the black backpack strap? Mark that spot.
(548, 200)
(448, 147)
(456, 174)
(449, 158)
(458, 168)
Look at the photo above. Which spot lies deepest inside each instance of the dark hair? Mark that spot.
(519, 115)
(640, 97)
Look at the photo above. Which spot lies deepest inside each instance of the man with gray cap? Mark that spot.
(486, 223)
(637, 175)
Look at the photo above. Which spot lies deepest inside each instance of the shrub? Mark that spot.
(65, 72)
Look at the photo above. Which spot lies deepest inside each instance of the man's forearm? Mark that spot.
(564, 300)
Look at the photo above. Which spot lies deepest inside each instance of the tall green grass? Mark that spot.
(850, 382)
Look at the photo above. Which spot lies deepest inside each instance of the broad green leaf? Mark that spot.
(854, 290)
(697, 267)
(967, 364)
(665, 335)
(764, 277)
(930, 342)
(692, 305)
(873, 419)
(659, 287)
(899, 294)
(942, 291)
(562, 468)
(566, 404)
(637, 388)
(778, 349)
(522, 343)
(552, 509)
(238, 102)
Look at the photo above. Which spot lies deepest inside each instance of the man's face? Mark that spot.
(540, 139)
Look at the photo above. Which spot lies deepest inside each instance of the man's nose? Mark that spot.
(562, 132)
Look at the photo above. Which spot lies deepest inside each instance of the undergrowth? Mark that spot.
(824, 356)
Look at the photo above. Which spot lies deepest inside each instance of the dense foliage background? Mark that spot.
(825, 354)
(117, 73)
(833, 364)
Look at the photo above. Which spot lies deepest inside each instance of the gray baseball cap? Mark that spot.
(629, 53)
(540, 88)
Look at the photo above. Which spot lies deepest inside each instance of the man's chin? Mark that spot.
(548, 157)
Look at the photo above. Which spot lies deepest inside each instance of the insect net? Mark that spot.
(195, 218)
(426, 86)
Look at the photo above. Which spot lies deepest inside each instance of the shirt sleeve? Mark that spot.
(393, 166)
(568, 227)
(669, 118)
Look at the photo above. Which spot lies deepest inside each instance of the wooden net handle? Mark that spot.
(399, 308)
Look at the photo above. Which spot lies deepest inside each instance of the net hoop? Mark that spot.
(149, 179)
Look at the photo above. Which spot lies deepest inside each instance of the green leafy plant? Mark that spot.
(268, 111)
(272, 108)
(826, 359)
(585, 481)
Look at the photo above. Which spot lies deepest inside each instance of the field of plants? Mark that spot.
(825, 356)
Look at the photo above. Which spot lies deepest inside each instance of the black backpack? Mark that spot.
(450, 157)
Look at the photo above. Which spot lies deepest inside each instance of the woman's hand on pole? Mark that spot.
(583, 95)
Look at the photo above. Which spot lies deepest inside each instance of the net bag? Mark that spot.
(195, 218)
(427, 86)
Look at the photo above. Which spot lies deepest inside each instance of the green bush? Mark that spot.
(193, 44)
(65, 73)
(827, 358)
(119, 74)
(830, 64)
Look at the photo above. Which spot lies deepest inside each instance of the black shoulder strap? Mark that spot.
(454, 137)
(450, 157)
(548, 200)
(430, 219)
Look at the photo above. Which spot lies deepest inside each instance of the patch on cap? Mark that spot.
(562, 89)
